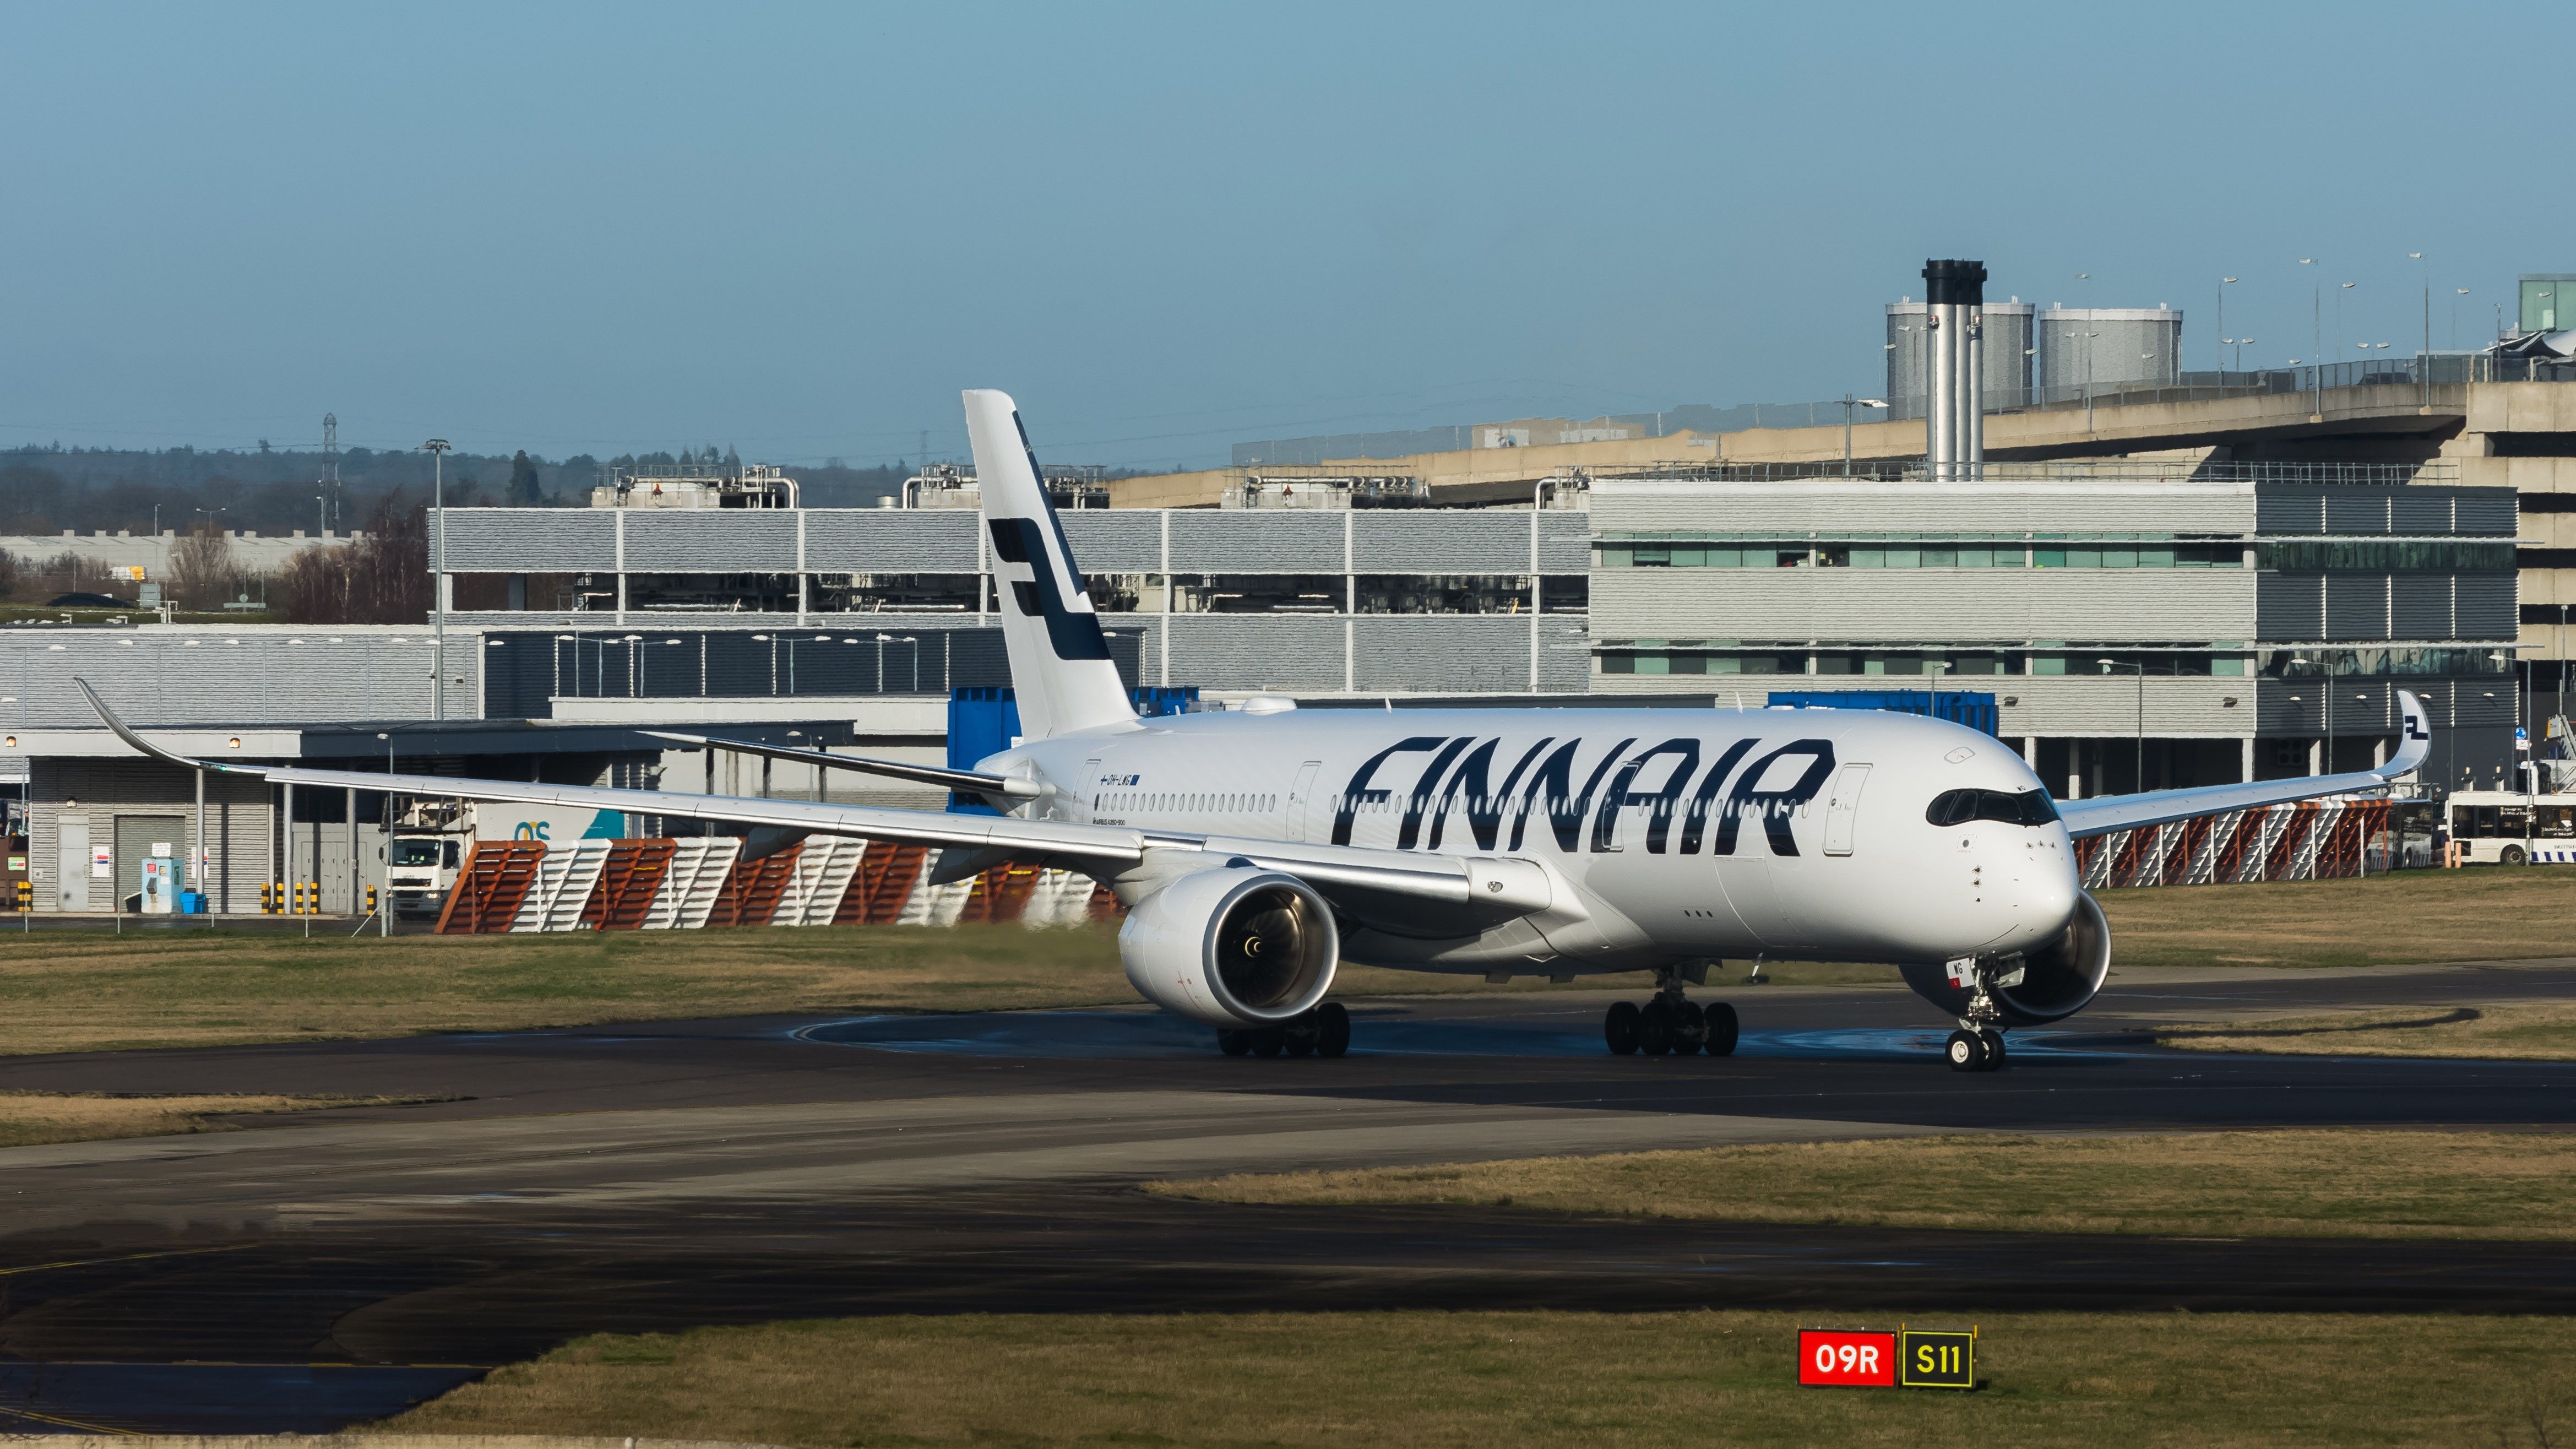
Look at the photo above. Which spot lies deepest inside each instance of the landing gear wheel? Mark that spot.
(1267, 1040)
(1655, 1027)
(1620, 1028)
(1332, 1029)
(1300, 1033)
(1966, 1051)
(1690, 1028)
(1994, 1041)
(1232, 1042)
(1721, 1029)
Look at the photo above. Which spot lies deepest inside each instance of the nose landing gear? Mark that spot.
(1978, 1044)
(1669, 1024)
(1980, 1050)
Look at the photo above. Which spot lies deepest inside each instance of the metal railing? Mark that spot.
(2120, 470)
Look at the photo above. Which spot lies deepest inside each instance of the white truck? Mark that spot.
(434, 839)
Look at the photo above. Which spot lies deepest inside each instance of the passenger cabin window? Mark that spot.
(1958, 807)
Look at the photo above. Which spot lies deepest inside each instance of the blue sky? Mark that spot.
(800, 230)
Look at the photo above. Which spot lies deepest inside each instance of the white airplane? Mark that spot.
(1257, 849)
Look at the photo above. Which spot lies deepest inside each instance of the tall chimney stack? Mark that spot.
(1954, 417)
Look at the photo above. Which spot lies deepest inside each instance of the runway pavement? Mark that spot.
(662, 1176)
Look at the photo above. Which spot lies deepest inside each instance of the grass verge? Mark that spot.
(2482, 914)
(2530, 1032)
(29, 1118)
(81, 991)
(2333, 1183)
(1478, 1379)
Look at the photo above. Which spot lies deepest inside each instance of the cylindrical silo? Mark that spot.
(2107, 349)
(2007, 362)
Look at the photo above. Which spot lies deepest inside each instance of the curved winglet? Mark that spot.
(123, 732)
(2414, 738)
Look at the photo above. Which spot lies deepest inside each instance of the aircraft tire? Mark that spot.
(1233, 1042)
(1966, 1052)
(1619, 1028)
(1690, 1028)
(1298, 1035)
(1994, 1042)
(1332, 1029)
(1267, 1040)
(1655, 1026)
(1721, 1029)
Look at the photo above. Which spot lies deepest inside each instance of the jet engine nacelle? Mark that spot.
(1232, 947)
(2057, 980)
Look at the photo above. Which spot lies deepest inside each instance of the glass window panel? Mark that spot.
(1905, 558)
(2119, 558)
(1940, 558)
(1689, 557)
(1869, 558)
(2155, 558)
(1976, 558)
(1653, 664)
(2048, 558)
(2048, 664)
(1651, 557)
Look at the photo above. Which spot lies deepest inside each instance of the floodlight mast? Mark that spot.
(437, 450)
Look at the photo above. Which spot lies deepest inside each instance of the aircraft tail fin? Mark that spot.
(1060, 664)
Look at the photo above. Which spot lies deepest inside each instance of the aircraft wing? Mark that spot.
(2107, 813)
(1512, 887)
(974, 782)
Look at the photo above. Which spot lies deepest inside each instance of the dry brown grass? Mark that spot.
(1475, 1380)
(29, 1118)
(2484, 914)
(80, 990)
(2334, 1183)
(84, 991)
(2531, 1032)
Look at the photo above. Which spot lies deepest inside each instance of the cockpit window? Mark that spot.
(1958, 807)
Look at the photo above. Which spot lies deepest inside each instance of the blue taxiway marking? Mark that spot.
(1112, 1034)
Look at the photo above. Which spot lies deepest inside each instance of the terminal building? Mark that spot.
(2168, 580)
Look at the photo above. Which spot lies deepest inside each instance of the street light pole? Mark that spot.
(2222, 322)
(437, 449)
(1850, 402)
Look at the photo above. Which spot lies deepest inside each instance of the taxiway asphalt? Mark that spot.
(656, 1177)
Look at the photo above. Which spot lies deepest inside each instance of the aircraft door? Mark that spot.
(1088, 805)
(1842, 809)
(1298, 795)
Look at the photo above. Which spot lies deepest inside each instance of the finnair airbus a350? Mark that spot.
(1257, 849)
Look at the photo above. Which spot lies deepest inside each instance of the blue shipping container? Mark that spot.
(984, 719)
(1964, 707)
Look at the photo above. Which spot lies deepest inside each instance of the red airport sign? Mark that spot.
(1834, 1358)
(1864, 1359)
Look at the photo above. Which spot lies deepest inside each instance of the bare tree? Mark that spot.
(202, 573)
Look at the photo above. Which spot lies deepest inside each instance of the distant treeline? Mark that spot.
(47, 490)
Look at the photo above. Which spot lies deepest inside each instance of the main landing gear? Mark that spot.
(1322, 1032)
(1669, 1024)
